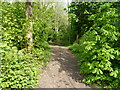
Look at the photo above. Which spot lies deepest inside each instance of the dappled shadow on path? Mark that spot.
(68, 62)
(62, 70)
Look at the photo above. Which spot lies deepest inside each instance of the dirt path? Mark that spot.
(62, 71)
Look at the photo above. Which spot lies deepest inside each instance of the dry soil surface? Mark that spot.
(62, 71)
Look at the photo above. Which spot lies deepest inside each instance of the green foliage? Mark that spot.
(13, 23)
(41, 55)
(98, 48)
(18, 69)
(42, 25)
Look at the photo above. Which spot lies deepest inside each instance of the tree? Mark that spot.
(16, 62)
(30, 25)
(98, 47)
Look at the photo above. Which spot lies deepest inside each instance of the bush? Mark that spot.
(98, 50)
(41, 55)
(18, 68)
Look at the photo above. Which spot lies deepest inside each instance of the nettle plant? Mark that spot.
(98, 50)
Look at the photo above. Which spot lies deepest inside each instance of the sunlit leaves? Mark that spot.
(16, 67)
(19, 69)
(97, 48)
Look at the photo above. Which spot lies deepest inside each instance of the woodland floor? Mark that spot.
(62, 70)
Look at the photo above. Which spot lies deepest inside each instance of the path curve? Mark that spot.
(62, 71)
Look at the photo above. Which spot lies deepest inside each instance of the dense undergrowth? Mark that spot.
(98, 47)
(19, 66)
(26, 30)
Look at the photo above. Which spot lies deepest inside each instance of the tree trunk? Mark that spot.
(29, 27)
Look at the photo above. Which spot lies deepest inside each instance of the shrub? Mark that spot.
(18, 68)
(98, 50)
